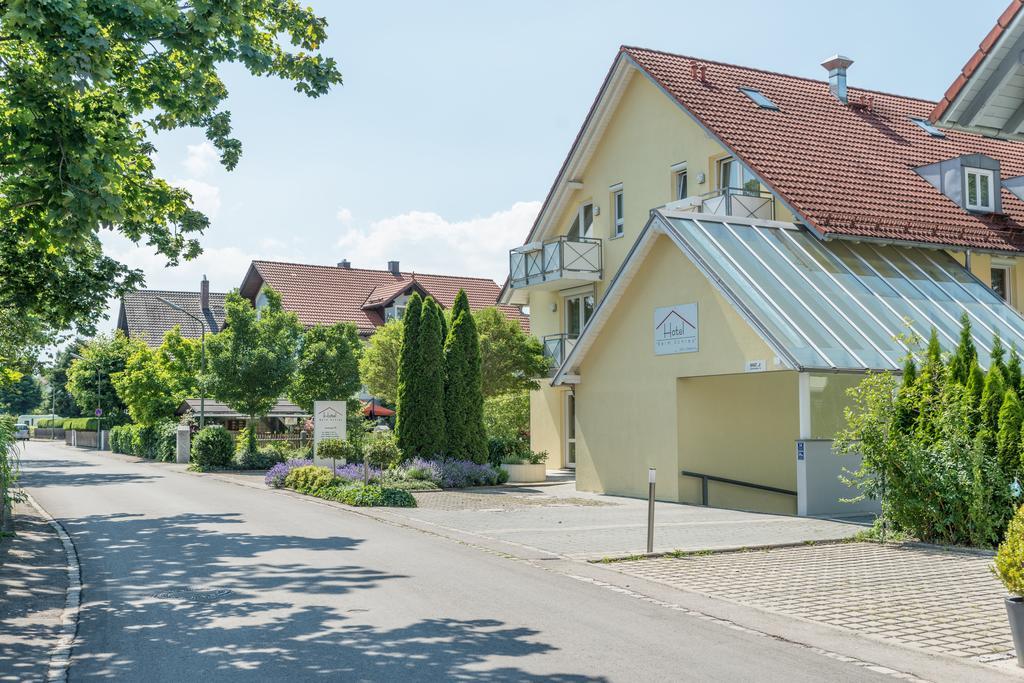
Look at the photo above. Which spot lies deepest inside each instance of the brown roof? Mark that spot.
(143, 316)
(977, 58)
(324, 295)
(847, 169)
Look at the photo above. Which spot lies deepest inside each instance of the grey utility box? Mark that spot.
(184, 444)
(820, 492)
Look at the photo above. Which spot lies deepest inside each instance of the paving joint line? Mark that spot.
(60, 658)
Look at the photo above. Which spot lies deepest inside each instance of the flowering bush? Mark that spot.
(277, 474)
(354, 471)
(457, 474)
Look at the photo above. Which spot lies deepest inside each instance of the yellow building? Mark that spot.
(726, 250)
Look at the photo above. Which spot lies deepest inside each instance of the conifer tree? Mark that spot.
(464, 400)
(929, 386)
(408, 412)
(429, 439)
(991, 400)
(1008, 440)
(998, 354)
(1013, 375)
(960, 363)
(975, 388)
(907, 401)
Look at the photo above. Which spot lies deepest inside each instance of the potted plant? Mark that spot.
(1009, 568)
(526, 467)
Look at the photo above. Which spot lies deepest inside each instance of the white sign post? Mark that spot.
(675, 329)
(328, 423)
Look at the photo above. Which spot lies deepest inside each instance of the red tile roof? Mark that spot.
(324, 295)
(848, 170)
(972, 64)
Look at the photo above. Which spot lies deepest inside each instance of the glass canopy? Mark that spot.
(843, 305)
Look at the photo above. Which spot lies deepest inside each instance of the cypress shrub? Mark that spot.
(463, 395)
(407, 374)
(429, 438)
(966, 353)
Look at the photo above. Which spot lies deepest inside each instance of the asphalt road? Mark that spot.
(191, 578)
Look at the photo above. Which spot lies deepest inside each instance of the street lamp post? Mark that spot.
(202, 362)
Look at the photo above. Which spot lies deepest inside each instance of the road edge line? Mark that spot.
(60, 657)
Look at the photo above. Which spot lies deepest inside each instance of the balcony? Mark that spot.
(557, 348)
(732, 201)
(555, 264)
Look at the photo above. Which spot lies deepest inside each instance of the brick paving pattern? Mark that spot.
(935, 600)
(494, 500)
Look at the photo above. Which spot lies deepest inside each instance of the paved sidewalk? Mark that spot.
(935, 600)
(33, 581)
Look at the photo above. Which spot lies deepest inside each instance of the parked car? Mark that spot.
(21, 432)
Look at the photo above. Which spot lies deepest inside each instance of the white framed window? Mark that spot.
(583, 224)
(679, 178)
(734, 176)
(618, 211)
(979, 185)
(1001, 279)
(393, 313)
(578, 308)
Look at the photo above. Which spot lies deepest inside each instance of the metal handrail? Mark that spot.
(705, 478)
(727, 193)
(549, 261)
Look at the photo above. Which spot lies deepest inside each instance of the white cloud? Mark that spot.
(205, 197)
(425, 242)
(199, 159)
(344, 216)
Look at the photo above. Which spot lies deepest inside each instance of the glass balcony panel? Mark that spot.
(562, 262)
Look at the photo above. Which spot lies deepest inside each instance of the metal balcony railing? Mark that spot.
(555, 259)
(557, 347)
(740, 202)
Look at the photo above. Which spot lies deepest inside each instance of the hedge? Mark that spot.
(82, 424)
(156, 442)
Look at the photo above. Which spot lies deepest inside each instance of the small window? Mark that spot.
(979, 188)
(619, 214)
(1001, 282)
(736, 178)
(680, 185)
(583, 223)
(759, 99)
(927, 127)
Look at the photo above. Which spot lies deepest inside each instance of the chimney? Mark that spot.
(344, 263)
(204, 294)
(393, 267)
(837, 66)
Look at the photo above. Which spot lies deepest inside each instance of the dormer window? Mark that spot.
(979, 183)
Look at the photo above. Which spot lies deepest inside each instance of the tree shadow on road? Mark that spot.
(193, 596)
(51, 472)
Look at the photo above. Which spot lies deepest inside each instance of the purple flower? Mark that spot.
(276, 474)
(354, 471)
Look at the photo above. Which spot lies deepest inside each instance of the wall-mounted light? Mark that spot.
(701, 178)
(597, 210)
(554, 306)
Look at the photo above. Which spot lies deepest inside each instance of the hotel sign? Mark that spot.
(328, 423)
(675, 329)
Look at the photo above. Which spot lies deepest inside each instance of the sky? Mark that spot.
(454, 118)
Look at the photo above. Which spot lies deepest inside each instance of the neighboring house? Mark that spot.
(324, 295)
(284, 417)
(144, 316)
(726, 250)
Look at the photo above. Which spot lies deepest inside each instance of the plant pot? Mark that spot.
(526, 473)
(1015, 613)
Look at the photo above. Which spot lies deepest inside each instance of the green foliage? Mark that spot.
(998, 354)
(86, 88)
(1008, 439)
(57, 397)
(966, 354)
(510, 360)
(9, 468)
(154, 382)
(81, 424)
(90, 378)
(429, 441)
(311, 479)
(20, 396)
(251, 362)
(381, 450)
(368, 495)
(505, 450)
(212, 447)
(1013, 375)
(378, 367)
(246, 441)
(156, 442)
(507, 416)
(1009, 563)
(340, 449)
(260, 459)
(409, 376)
(327, 368)
(991, 400)
(463, 397)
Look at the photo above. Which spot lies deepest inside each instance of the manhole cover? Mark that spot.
(193, 594)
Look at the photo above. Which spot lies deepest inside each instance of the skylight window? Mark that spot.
(927, 127)
(759, 99)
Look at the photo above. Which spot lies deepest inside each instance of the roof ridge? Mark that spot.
(409, 274)
(769, 72)
(147, 290)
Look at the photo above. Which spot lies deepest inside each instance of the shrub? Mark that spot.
(527, 458)
(1009, 565)
(424, 470)
(368, 495)
(82, 424)
(457, 474)
(51, 423)
(381, 449)
(311, 479)
(356, 471)
(408, 484)
(212, 447)
(262, 459)
(121, 439)
(504, 450)
(278, 473)
(507, 416)
(340, 449)
(246, 441)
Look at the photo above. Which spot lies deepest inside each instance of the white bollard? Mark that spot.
(184, 450)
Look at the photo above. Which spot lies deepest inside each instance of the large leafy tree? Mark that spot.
(327, 367)
(378, 366)
(251, 362)
(463, 397)
(156, 381)
(58, 398)
(84, 87)
(90, 378)
(21, 396)
(510, 360)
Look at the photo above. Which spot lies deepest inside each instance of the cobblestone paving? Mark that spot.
(934, 600)
(495, 499)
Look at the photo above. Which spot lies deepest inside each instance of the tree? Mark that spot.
(84, 87)
(430, 441)
(408, 375)
(463, 396)
(90, 378)
(58, 398)
(327, 367)
(992, 400)
(510, 359)
(182, 359)
(144, 388)
(378, 367)
(997, 356)
(966, 353)
(250, 363)
(1013, 370)
(21, 396)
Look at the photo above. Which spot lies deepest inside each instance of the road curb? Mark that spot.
(60, 658)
